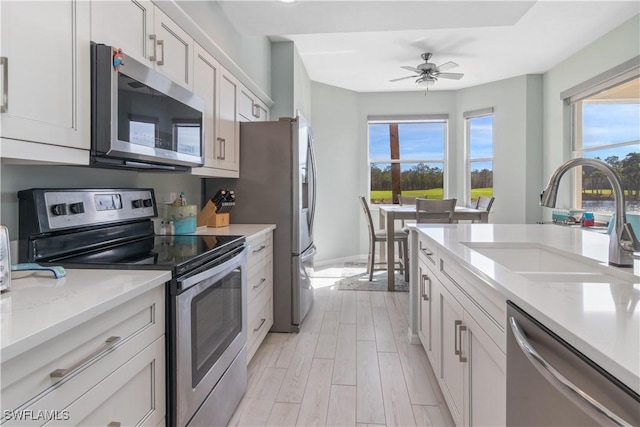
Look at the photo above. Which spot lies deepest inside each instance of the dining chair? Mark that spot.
(375, 236)
(485, 203)
(473, 204)
(407, 200)
(435, 211)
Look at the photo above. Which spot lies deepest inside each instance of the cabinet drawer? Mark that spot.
(427, 250)
(260, 322)
(260, 248)
(132, 395)
(85, 352)
(259, 278)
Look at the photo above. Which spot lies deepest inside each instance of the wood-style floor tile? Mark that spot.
(342, 406)
(397, 406)
(344, 367)
(283, 414)
(315, 404)
(328, 338)
(369, 403)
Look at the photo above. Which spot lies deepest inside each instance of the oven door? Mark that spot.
(209, 331)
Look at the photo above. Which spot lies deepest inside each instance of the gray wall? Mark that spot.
(290, 82)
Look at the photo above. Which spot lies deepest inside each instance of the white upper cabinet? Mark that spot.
(146, 34)
(45, 76)
(228, 123)
(250, 108)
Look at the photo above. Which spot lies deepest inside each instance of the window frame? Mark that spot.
(474, 114)
(400, 119)
(572, 98)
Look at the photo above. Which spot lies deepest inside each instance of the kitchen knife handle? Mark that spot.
(108, 345)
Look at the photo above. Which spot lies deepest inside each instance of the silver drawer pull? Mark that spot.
(595, 409)
(456, 323)
(153, 57)
(259, 283)
(108, 345)
(260, 249)
(425, 277)
(4, 105)
(161, 44)
(114, 424)
(461, 329)
(260, 326)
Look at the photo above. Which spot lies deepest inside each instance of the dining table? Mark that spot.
(390, 213)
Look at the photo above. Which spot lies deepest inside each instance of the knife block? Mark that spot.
(208, 216)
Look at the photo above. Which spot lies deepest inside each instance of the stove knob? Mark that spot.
(59, 209)
(147, 203)
(136, 203)
(76, 208)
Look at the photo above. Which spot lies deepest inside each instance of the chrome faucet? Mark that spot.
(622, 241)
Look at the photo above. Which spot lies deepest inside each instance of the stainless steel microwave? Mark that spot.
(139, 118)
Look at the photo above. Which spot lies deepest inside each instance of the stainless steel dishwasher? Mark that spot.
(550, 383)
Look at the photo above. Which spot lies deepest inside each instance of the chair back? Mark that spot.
(435, 211)
(473, 204)
(407, 200)
(367, 214)
(484, 203)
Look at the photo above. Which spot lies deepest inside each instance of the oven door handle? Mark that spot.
(232, 263)
(589, 405)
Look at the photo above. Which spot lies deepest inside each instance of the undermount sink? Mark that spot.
(532, 257)
(540, 263)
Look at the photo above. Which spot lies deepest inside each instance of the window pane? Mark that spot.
(605, 123)
(379, 147)
(421, 141)
(596, 191)
(481, 179)
(480, 137)
(416, 179)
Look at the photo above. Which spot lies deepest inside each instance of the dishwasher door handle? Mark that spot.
(590, 406)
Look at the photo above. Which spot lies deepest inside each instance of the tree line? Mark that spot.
(423, 177)
(628, 169)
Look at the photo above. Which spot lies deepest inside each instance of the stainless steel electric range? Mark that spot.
(206, 297)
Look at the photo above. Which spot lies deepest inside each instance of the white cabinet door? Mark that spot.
(452, 370)
(262, 111)
(250, 108)
(125, 24)
(485, 378)
(174, 50)
(228, 123)
(45, 64)
(428, 316)
(205, 82)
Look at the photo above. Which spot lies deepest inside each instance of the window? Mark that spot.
(407, 156)
(606, 126)
(479, 139)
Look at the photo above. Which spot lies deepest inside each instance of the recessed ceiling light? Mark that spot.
(289, 1)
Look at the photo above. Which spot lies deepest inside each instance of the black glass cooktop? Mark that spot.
(177, 253)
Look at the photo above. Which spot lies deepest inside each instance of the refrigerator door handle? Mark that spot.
(314, 176)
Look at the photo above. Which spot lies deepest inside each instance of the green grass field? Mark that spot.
(434, 193)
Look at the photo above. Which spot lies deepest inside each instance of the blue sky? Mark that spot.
(610, 123)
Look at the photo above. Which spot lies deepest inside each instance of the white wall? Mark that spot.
(14, 178)
(517, 145)
(614, 48)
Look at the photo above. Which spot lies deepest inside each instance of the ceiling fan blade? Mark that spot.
(414, 69)
(447, 66)
(453, 76)
(402, 78)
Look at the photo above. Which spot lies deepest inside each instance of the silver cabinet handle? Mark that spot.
(161, 44)
(425, 277)
(260, 326)
(218, 154)
(224, 148)
(595, 409)
(259, 283)
(108, 345)
(456, 323)
(153, 57)
(461, 329)
(4, 62)
(260, 249)
(114, 424)
(422, 284)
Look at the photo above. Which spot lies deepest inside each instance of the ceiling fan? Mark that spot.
(428, 73)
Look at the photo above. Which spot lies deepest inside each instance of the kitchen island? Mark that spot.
(466, 273)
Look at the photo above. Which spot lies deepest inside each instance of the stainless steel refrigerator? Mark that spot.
(277, 185)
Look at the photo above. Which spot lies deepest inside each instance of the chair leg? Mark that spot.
(405, 254)
(372, 260)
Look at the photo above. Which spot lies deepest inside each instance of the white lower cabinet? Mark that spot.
(461, 340)
(108, 371)
(260, 291)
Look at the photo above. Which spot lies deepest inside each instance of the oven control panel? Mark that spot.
(72, 208)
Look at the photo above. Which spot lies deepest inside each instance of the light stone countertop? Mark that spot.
(250, 231)
(601, 320)
(40, 307)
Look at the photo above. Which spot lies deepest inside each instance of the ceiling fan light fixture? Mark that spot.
(425, 82)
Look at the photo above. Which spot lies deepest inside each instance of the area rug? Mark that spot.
(356, 278)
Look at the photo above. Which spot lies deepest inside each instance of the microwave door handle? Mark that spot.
(589, 405)
(188, 282)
